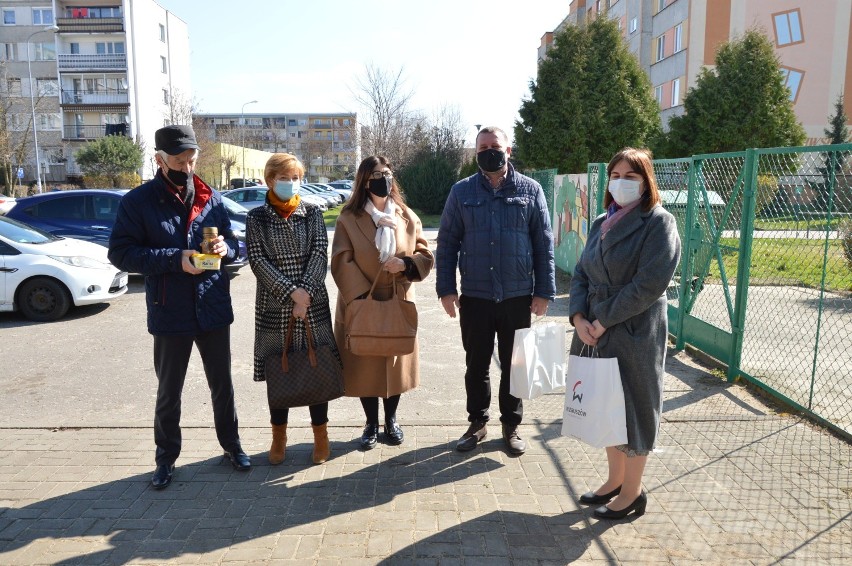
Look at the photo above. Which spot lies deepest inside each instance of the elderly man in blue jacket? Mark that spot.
(495, 230)
(158, 228)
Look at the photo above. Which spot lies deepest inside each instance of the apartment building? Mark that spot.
(675, 39)
(327, 143)
(92, 68)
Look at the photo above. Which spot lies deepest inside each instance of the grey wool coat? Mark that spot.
(286, 254)
(354, 265)
(621, 280)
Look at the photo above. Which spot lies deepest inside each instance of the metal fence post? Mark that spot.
(744, 261)
(686, 258)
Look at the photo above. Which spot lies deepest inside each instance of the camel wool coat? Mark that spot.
(354, 264)
(621, 280)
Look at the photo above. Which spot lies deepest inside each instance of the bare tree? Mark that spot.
(387, 122)
(181, 108)
(16, 125)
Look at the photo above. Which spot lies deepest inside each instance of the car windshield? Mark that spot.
(24, 233)
(233, 207)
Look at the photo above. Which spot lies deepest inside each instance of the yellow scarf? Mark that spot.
(284, 208)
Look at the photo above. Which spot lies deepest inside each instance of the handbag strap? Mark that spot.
(376, 280)
(288, 341)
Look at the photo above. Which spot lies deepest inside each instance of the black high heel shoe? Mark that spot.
(638, 506)
(593, 498)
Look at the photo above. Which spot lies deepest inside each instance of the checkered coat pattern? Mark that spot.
(285, 254)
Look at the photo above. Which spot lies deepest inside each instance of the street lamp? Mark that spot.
(53, 29)
(243, 136)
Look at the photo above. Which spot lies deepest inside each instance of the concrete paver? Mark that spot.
(734, 480)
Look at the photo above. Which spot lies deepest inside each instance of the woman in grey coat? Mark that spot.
(618, 305)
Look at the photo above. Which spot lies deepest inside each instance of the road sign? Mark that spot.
(20, 173)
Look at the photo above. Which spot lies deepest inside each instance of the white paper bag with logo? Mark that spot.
(594, 402)
(538, 360)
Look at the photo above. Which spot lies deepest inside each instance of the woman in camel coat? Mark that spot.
(376, 230)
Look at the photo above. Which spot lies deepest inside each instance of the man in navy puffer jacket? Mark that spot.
(495, 230)
(158, 228)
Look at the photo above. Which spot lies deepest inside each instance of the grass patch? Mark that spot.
(803, 223)
(428, 220)
(787, 261)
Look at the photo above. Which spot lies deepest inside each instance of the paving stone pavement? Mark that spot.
(735, 480)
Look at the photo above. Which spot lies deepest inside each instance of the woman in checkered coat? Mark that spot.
(288, 253)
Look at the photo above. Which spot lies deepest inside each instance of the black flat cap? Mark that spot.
(175, 139)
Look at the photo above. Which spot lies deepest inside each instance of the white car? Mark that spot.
(42, 275)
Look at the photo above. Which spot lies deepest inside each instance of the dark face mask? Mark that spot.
(179, 178)
(491, 160)
(380, 187)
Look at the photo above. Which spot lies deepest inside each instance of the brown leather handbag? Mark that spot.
(304, 378)
(380, 328)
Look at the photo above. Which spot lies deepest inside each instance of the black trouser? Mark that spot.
(480, 319)
(319, 415)
(171, 358)
(371, 408)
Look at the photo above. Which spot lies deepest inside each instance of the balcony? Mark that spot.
(94, 132)
(85, 98)
(90, 25)
(84, 62)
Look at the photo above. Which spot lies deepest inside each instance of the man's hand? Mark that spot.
(450, 304)
(539, 306)
(598, 329)
(585, 330)
(186, 262)
(219, 247)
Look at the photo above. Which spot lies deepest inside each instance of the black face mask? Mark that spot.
(380, 187)
(179, 178)
(491, 160)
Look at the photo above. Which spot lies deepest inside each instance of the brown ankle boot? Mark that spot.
(279, 444)
(322, 451)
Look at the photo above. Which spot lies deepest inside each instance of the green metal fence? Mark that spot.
(765, 280)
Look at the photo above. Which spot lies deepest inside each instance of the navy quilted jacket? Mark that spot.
(152, 228)
(500, 241)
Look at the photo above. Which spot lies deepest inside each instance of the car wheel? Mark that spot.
(43, 300)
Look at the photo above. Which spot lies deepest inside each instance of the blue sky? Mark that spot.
(302, 56)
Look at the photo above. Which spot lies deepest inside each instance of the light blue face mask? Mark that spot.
(285, 190)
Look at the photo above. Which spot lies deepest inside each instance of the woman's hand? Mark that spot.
(394, 265)
(301, 298)
(300, 311)
(585, 330)
(598, 329)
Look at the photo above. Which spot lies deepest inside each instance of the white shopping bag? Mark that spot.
(594, 402)
(538, 360)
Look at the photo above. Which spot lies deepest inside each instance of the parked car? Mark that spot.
(331, 198)
(253, 197)
(42, 275)
(6, 203)
(89, 214)
(239, 183)
(344, 193)
(341, 184)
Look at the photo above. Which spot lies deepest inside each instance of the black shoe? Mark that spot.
(370, 436)
(476, 432)
(513, 442)
(239, 459)
(393, 432)
(593, 498)
(162, 476)
(638, 506)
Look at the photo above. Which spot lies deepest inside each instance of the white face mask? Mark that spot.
(625, 191)
(285, 190)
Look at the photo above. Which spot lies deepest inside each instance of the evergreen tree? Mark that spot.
(590, 99)
(110, 157)
(741, 103)
(837, 132)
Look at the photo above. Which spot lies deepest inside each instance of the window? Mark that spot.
(75, 48)
(676, 92)
(634, 24)
(793, 80)
(13, 87)
(9, 52)
(47, 87)
(8, 17)
(162, 33)
(661, 48)
(42, 16)
(788, 28)
(49, 121)
(678, 38)
(346, 122)
(163, 65)
(111, 48)
(658, 94)
(105, 208)
(45, 52)
(165, 96)
(660, 5)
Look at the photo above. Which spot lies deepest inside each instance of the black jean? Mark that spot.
(171, 358)
(319, 415)
(480, 320)
(371, 408)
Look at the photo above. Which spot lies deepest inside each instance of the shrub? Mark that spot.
(845, 232)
